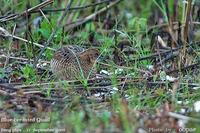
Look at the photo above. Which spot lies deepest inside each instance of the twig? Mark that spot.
(164, 83)
(158, 51)
(173, 51)
(22, 59)
(166, 24)
(168, 57)
(183, 117)
(76, 8)
(90, 17)
(8, 87)
(26, 93)
(39, 6)
(70, 16)
(45, 18)
(77, 81)
(193, 66)
(57, 10)
(5, 33)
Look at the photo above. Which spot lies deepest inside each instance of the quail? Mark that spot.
(73, 62)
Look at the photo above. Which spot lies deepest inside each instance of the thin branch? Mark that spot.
(14, 16)
(5, 33)
(183, 117)
(45, 18)
(78, 7)
(22, 59)
(90, 17)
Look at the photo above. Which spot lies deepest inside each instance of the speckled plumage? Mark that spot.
(73, 62)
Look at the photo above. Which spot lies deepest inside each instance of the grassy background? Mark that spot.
(126, 110)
